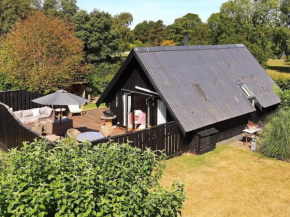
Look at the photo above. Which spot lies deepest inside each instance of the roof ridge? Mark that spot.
(187, 48)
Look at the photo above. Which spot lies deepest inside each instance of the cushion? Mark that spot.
(74, 108)
(18, 114)
(43, 116)
(48, 111)
(43, 110)
(26, 113)
(35, 112)
(28, 119)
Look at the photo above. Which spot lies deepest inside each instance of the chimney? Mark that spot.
(185, 37)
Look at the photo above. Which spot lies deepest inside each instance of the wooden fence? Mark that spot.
(12, 132)
(21, 100)
(165, 137)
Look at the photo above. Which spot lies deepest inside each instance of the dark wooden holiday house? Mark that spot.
(204, 89)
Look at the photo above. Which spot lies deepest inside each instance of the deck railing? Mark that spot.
(166, 137)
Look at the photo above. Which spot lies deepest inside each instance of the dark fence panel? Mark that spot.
(12, 132)
(21, 100)
(165, 137)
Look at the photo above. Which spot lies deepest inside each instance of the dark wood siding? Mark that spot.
(133, 76)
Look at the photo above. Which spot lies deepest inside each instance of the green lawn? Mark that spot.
(92, 106)
(231, 182)
(278, 68)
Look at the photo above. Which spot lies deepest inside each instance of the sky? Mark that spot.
(166, 10)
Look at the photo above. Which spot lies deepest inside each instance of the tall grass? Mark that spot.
(275, 142)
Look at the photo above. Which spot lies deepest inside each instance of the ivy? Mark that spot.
(82, 180)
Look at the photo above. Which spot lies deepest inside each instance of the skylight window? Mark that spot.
(246, 90)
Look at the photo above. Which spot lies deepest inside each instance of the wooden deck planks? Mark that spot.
(91, 121)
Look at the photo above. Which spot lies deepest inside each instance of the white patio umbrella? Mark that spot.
(60, 97)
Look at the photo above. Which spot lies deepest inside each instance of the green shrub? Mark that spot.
(283, 82)
(275, 141)
(81, 180)
(103, 75)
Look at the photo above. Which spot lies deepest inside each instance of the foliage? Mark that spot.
(138, 43)
(182, 26)
(275, 141)
(11, 11)
(247, 22)
(281, 41)
(121, 23)
(201, 35)
(61, 8)
(81, 180)
(285, 12)
(285, 99)
(41, 54)
(96, 31)
(150, 33)
(102, 76)
(168, 43)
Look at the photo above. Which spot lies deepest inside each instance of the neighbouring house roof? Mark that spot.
(199, 84)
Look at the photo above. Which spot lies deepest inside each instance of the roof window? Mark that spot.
(246, 90)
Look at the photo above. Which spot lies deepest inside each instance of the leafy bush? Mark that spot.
(81, 180)
(275, 141)
(103, 75)
(283, 82)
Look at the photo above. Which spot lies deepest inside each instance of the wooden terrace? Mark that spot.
(91, 121)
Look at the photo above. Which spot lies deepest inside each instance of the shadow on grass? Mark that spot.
(283, 69)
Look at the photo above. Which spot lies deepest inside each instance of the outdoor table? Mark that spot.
(60, 111)
(249, 133)
(91, 136)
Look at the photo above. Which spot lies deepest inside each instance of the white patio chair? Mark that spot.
(75, 109)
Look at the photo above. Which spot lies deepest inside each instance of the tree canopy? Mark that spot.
(42, 54)
(95, 30)
(263, 26)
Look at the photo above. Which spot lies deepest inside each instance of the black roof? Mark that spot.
(199, 84)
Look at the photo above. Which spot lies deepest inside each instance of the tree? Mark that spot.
(82, 180)
(121, 23)
(285, 13)
(182, 26)
(61, 8)
(150, 33)
(42, 54)
(168, 43)
(281, 41)
(97, 33)
(201, 35)
(103, 75)
(246, 22)
(11, 11)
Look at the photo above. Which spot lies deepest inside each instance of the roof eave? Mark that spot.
(115, 79)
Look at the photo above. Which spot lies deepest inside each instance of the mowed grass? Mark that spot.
(231, 182)
(92, 106)
(278, 68)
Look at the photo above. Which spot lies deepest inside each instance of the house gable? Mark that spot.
(199, 84)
